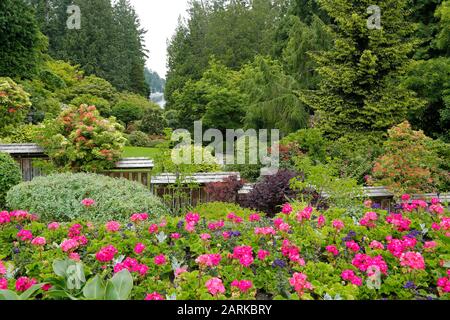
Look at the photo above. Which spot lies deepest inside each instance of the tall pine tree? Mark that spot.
(359, 88)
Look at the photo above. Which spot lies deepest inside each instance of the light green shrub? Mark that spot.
(58, 197)
(10, 175)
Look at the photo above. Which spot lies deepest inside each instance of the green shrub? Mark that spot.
(10, 175)
(153, 122)
(59, 196)
(219, 210)
(139, 139)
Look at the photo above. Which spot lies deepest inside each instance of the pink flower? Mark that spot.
(445, 223)
(352, 245)
(113, 226)
(3, 284)
(242, 285)
(153, 229)
(75, 230)
(139, 248)
(160, 260)
(406, 197)
(254, 217)
(4, 217)
(349, 275)
(25, 235)
(244, 254)
(292, 252)
(154, 296)
(442, 283)
(175, 236)
(435, 201)
(88, 202)
(430, 245)
(437, 208)
(24, 283)
(332, 249)
(192, 218)
(265, 231)
(39, 241)
(413, 260)
(74, 256)
(69, 245)
(47, 287)
(400, 223)
(189, 227)
(364, 262)
(213, 226)
(305, 214)
(234, 218)
(368, 203)
(278, 221)
(180, 271)
(2, 268)
(300, 283)
(376, 245)
(284, 227)
(263, 254)
(205, 236)
(215, 286)
(287, 209)
(338, 224)
(53, 226)
(321, 221)
(435, 226)
(106, 254)
(139, 217)
(369, 220)
(209, 260)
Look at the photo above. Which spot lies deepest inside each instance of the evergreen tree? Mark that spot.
(21, 42)
(272, 102)
(359, 88)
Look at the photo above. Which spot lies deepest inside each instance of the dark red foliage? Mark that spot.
(271, 192)
(225, 191)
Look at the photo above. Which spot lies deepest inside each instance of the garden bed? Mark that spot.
(299, 254)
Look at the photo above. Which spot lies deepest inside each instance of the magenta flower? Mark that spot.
(88, 202)
(215, 286)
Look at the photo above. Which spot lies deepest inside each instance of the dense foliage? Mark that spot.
(59, 197)
(81, 140)
(10, 175)
(14, 103)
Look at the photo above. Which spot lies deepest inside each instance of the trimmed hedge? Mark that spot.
(10, 175)
(58, 197)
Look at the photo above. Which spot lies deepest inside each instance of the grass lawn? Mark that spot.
(135, 152)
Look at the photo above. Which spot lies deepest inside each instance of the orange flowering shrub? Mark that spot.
(408, 165)
(81, 140)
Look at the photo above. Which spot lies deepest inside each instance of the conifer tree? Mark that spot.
(359, 88)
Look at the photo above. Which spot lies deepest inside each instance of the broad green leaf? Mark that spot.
(32, 290)
(94, 289)
(123, 282)
(111, 292)
(8, 295)
(60, 267)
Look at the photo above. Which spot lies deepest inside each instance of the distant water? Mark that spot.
(158, 98)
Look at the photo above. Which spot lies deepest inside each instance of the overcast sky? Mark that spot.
(159, 18)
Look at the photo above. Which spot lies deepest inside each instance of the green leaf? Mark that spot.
(94, 289)
(32, 290)
(123, 283)
(60, 267)
(8, 295)
(111, 292)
